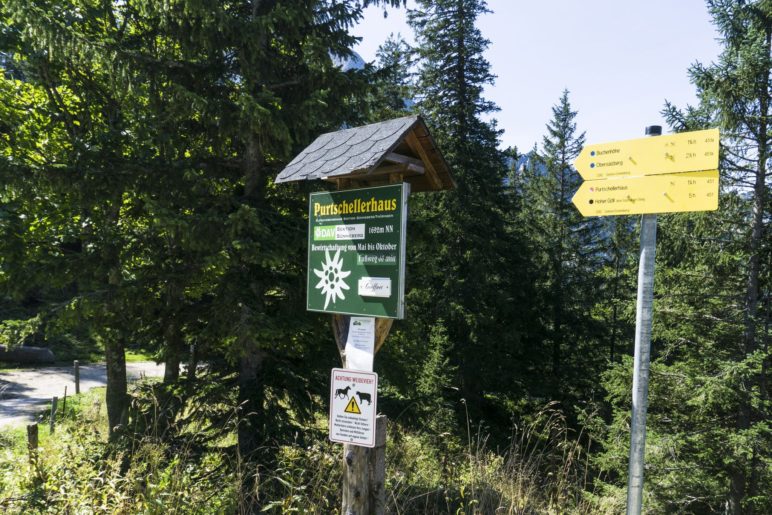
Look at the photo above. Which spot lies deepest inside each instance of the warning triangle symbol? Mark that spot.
(353, 407)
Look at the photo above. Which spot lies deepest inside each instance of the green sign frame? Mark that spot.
(356, 251)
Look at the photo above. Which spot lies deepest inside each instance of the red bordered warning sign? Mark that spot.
(353, 406)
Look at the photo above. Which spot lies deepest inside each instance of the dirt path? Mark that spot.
(24, 393)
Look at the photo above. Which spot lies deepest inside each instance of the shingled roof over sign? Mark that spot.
(380, 153)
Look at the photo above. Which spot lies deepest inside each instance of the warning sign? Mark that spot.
(353, 406)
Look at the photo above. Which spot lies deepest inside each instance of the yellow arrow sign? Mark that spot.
(674, 153)
(691, 191)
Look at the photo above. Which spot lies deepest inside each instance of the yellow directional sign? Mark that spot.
(691, 191)
(674, 153)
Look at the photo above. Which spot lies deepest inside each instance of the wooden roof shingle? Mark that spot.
(380, 153)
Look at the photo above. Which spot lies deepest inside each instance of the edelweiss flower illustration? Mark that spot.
(332, 276)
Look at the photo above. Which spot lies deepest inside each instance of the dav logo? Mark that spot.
(374, 287)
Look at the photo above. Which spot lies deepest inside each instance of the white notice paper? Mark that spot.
(360, 345)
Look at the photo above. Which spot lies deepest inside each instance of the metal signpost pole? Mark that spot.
(668, 174)
(643, 319)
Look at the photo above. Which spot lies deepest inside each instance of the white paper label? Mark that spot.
(360, 345)
(374, 287)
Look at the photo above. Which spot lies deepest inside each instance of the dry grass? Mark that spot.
(544, 470)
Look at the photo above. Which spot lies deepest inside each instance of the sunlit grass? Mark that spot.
(75, 470)
(134, 356)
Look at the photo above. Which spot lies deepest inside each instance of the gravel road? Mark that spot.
(24, 393)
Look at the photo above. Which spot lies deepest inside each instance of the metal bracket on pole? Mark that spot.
(643, 321)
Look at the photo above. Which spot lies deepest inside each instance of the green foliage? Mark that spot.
(139, 203)
(567, 252)
(77, 470)
(432, 388)
(13, 333)
(138, 141)
(463, 241)
(393, 88)
(718, 278)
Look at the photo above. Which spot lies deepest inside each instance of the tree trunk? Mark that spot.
(174, 347)
(173, 337)
(251, 428)
(116, 397)
(739, 476)
(251, 396)
(190, 383)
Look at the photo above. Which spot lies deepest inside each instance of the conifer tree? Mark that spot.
(165, 123)
(471, 272)
(708, 435)
(392, 88)
(567, 253)
(735, 94)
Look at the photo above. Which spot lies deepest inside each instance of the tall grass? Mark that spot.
(543, 470)
(77, 471)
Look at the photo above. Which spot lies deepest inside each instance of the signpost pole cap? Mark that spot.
(654, 130)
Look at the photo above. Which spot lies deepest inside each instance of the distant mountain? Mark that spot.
(352, 62)
(522, 163)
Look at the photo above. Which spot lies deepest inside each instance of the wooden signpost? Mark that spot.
(664, 174)
(357, 262)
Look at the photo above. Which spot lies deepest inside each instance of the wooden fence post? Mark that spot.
(76, 366)
(52, 421)
(32, 441)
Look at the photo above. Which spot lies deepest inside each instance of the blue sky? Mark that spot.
(619, 59)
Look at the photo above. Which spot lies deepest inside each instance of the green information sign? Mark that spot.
(356, 251)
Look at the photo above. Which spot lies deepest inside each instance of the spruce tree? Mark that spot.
(392, 88)
(164, 124)
(567, 254)
(708, 434)
(736, 94)
(470, 267)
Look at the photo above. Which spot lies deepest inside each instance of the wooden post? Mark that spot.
(32, 441)
(364, 470)
(52, 420)
(64, 403)
(377, 467)
(356, 481)
(364, 479)
(76, 366)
